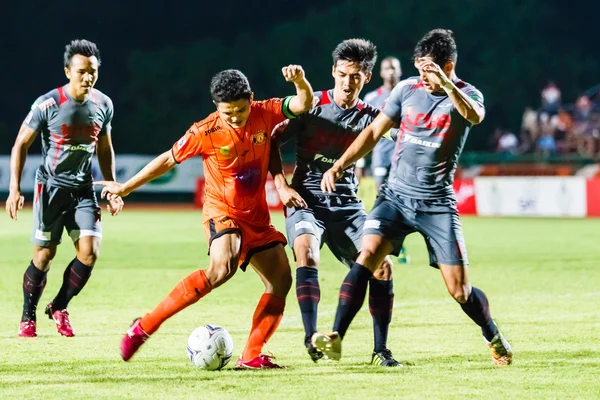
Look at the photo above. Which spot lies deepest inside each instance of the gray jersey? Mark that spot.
(431, 137)
(69, 131)
(323, 135)
(383, 151)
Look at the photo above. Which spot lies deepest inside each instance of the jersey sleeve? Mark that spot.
(107, 124)
(38, 115)
(474, 94)
(190, 145)
(393, 105)
(278, 109)
(287, 129)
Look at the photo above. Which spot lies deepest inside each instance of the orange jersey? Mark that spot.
(236, 162)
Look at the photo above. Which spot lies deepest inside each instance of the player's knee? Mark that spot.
(43, 256)
(307, 257)
(459, 294)
(90, 258)
(220, 271)
(384, 272)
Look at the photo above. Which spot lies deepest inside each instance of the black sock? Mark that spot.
(478, 309)
(74, 279)
(34, 282)
(381, 302)
(352, 297)
(308, 294)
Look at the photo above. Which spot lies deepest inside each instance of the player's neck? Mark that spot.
(390, 85)
(72, 95)
(344, 104)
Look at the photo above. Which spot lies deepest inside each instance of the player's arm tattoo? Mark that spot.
(106, 157)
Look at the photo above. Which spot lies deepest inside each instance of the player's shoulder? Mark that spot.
(466, 86)
(372, 95)
(267, 105)
(412, 83)
(102, 99)
(208, 125)
(47, 100)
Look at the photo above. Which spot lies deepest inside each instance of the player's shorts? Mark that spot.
(381, 160)
(338, 226)
(394, 217)
(254, 238)
(55, 209)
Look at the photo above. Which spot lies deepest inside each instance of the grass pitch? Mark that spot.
(542, 277)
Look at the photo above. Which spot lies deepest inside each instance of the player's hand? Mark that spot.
(330, 177)
(14, 203)
(115, 204)
(434, 72)
(112, 187)
(290, 198)
(293, 73)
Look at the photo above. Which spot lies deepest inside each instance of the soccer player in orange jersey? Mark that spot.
(234, 143)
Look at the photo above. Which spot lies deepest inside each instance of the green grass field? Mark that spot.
(542, 277)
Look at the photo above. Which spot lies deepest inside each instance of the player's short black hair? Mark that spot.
(82, 47)
(230, 85)
(438, 44)
(361, 51)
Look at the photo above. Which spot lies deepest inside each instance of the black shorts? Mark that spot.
(340, 227)
(395, 216)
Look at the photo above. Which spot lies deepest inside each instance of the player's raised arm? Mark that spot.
(18, 156)
(471, 108)
(303, 99)
(155, 168)
(361, 146)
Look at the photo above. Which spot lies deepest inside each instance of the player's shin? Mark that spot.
(478, 309)
(308, 294)
(352, 297)
(34, 282)
(191, 289)
(381, 303)
(266, 319)
(75, 277)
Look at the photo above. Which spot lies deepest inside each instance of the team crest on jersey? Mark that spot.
(259, 137)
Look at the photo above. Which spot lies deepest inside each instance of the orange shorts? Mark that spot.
(254, 238)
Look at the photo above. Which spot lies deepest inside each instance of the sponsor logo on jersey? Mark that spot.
(46, 103)
(211, 130)
(79, 147)
(182, 141)
(259, 137)
(420, 142)
(322, 158)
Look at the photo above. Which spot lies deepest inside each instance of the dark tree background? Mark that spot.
(158, 57)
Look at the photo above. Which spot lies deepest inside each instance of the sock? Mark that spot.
(478, 309)
(352, 296)
(308, 294)
(191, 289)
(34, 282)
(381, 302)
(265, 321)
(75, 277)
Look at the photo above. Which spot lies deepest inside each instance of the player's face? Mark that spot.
(430, 85)
(236, 113)
(82, 74)
(349, 80)
(391, 71)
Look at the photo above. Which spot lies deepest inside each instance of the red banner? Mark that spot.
(465, 196)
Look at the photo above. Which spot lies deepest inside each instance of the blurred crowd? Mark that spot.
(556, 127)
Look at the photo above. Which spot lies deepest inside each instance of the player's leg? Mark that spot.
(445, 241)
(225, 246)
(273, 267)
(305, 233)
(48, 225)
(383, 232)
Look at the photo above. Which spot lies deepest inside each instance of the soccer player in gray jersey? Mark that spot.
(337, 218)
(74, 122)
(435, 112)
(381, 158)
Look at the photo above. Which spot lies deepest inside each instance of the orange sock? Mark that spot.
(265, 321)
(191, 289)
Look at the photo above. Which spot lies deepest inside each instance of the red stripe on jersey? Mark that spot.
(63, 96)
(360, 105)
(324, 98)
(38, 191)
(380, 90)
(419, 85)
(459, 84)
(59, 142)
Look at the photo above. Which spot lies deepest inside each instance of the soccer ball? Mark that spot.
(210, 347)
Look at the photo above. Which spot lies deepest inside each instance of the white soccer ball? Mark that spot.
(210, 347)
